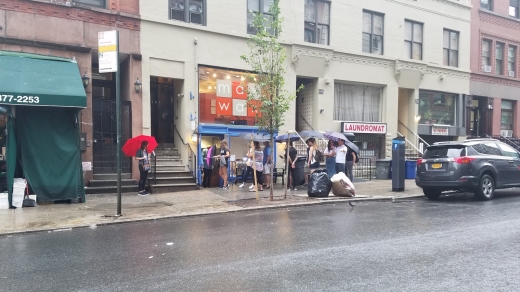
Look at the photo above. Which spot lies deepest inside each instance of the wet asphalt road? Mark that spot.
(455, 244)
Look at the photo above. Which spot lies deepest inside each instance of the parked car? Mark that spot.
(477, 165)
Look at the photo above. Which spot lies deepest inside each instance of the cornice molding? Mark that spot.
(493, 18)
(495, 80)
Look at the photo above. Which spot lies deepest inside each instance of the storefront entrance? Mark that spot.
(105, 135)
(162, 95)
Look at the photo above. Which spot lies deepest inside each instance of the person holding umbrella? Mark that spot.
(341, 153)
(330, 161)
(144, 167)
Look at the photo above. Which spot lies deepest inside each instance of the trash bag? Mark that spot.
(342, 186)
(319, 184)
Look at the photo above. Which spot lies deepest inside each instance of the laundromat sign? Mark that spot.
(364, 128)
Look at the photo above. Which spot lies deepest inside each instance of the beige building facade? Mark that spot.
(376, 68)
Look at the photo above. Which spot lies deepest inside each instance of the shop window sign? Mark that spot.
(223, 97)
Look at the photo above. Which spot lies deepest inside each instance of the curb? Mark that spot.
(249, 209)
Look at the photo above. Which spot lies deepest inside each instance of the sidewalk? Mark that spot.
(170, 205)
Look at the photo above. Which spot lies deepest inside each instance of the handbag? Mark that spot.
(28, 202)
(146, 166)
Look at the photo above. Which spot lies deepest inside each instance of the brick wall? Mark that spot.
(62, 9)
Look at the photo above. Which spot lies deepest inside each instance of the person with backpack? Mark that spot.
(314, 156)
(351, 160)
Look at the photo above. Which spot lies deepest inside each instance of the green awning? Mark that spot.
(27, 79)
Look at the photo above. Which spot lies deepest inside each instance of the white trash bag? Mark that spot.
(342, 186)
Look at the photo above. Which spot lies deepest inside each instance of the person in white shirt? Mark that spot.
(341, 153)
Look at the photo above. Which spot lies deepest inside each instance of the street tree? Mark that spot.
(267, 95)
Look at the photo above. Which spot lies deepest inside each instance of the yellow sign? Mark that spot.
(111, 48)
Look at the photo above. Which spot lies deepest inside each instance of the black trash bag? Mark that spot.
(319, 184)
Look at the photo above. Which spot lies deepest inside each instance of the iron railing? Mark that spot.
(411, 151)
(364, 169)
(192, 157)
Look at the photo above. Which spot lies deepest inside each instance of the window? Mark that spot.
(317, 22)
(508, 150)
(513, 8)
(499, 59)
(451, 48)
(486, 4)
(437, 108)
(98, 3)
(413, 36)
(506, 116)
(223, 97)
(511, 61)
(357, 103)
(486, 55)
(259, 6)
(373, 32)
(491, 148)
(194, 14)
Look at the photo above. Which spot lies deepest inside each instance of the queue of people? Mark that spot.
(338, 158)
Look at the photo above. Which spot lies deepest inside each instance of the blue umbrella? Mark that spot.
(284, 137)
(312, 134)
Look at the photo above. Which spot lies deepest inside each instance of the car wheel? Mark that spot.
(432, 194)
(486, 188)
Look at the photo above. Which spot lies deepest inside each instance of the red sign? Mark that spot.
(250, 111)
(239, 91)
(224, 106)
(439, 131)
(366, 128)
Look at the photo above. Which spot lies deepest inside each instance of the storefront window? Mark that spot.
(437, 108)
(223, 97)
(506, 118)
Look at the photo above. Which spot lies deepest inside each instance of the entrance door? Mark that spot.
(475, 121)
(105, 129)
(161, 98)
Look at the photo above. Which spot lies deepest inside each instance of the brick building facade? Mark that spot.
(69, 28)
(495, 80)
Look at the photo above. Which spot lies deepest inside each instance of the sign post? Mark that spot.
(108, 48)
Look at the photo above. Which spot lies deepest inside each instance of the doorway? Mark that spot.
(104, 126)
(162, 92)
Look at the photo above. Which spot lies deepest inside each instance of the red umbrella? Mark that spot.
(133, 144)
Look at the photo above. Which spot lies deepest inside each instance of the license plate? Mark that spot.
(436, 165)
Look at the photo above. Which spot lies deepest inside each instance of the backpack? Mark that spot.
(319, 156)
(357, 157)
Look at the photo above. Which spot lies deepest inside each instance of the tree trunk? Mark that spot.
(254, 168)
(287, 164)
(271, 196)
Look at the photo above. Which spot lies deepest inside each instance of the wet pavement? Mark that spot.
(454, 244)
(179, 204)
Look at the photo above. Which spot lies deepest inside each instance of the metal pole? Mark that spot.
(118, 121)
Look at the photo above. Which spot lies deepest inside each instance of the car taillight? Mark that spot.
(464, 160)
(421, 161)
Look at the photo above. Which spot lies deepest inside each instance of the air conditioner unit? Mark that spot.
(486, 69)
(511, 73)
(506, 133)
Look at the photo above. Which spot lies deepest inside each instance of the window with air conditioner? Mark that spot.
(511, 61)
(192, 11)
(499, 59)
(486, 56)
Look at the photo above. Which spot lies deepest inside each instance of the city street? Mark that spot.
(454, 244)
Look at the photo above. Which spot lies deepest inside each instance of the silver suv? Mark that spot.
(476, 165)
